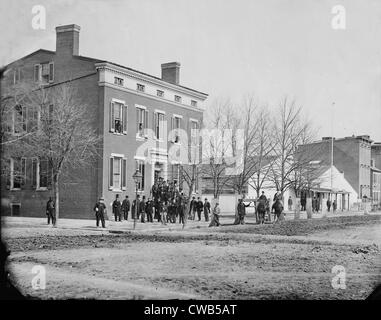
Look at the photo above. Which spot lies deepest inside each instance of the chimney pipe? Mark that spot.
(67, 41)
(170, 72)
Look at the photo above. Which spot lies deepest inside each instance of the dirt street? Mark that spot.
(292, 260)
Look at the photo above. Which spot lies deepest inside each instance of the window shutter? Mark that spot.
(51, 71)
(145, 121)
(137, 120)
(112, 122)
(34, 172)
(173, 135)
(111, 173)
(124, 174)
(24, 117)
(23, 170)
(125, 119)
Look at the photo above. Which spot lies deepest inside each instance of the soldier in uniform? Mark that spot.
(125, 208)
(100, 211)
(117, 208)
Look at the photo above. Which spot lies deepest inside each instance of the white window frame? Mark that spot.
(123, 172)
(12, 175)
(144, 113)
(173, 127)
(157, 123)
(138, 162)
(123, 116)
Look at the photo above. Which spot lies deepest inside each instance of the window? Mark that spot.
(141, 122)
(44, 72)
(160, 93)
(140, 87)
(176, 174)
(118, 117)
(176, 126)
(33, 118)
(118, 81)
(158, 125)
(19, 119)
(18, 173)
(178, 99)
(141, 167)
(118, 172)
(193, 103)
(44, 174)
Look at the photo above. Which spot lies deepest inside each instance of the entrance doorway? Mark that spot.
(158, 171)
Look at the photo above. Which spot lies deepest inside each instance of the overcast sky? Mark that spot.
(268, 48)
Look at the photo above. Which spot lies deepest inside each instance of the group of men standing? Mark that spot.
(166, 204)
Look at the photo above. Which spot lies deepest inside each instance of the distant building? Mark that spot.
(132, 108)
(352, 157)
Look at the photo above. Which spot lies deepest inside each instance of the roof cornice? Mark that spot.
(149, 79)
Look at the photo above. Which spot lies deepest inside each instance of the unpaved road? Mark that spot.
(293, 260)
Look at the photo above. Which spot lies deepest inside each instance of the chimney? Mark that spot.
(67, 41)
(170, 72)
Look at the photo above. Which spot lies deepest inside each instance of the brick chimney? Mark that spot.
(170, 72)
(67, 39)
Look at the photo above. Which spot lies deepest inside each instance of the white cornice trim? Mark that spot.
(139, 76)
(106, 84)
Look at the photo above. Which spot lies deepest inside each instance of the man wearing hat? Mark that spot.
(116, 208)
(100, 210)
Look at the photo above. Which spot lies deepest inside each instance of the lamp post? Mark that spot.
(137, 176)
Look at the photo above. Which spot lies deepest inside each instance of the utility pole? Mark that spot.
(333, 104)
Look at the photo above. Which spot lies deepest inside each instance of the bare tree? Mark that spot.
(289, 131)
(56, 126)
(218, 145)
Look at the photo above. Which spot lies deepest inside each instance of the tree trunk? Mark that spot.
(57, 199)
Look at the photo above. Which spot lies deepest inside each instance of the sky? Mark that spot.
(266, 48)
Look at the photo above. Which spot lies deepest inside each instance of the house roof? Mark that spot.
(109, 62)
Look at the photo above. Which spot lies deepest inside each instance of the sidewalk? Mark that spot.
(36, 226)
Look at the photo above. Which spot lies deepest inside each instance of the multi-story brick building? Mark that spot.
(139, 116)
(376, 174)
(351, 156)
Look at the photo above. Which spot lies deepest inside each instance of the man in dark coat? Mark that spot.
(192, 208)
(125, 208)
(142, 209)
(241, 210)
(50, 210)
(206, 209)
(100, 210)
(149, 210)
(303, 202)
(263, 197)
(135, 208)
(328, 205)
(200, 208)
(181, 208)
(117, 208)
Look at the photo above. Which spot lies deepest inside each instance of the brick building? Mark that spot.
(351, 156)
(140, 117)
